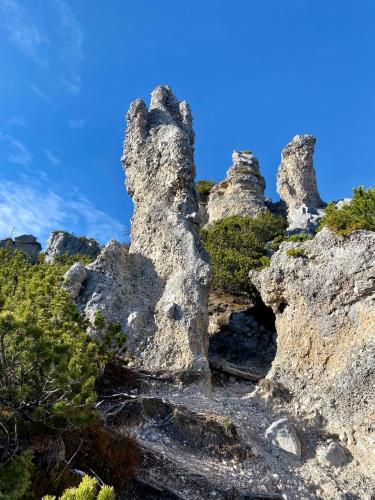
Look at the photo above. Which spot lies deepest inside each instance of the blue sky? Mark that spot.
(255, 73)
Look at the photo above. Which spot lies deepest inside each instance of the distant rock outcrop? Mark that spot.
(241, 192)
(25, 243)
(296, 183)
(323, 297)
(61, 242)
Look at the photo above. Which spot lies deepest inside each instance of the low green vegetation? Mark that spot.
(203, 189)
(358, 214)
(88, 489)
(239, 244)
(48, 364)
(295, 252)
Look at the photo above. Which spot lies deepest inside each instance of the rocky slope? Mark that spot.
(25, 243)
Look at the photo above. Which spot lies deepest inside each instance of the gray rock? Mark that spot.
(283, 434)
(333, 455)
(74, 278)
(61, 242)
(158, 290)
(241, 192)
(324, 304)
(25, 243)
(296, 184)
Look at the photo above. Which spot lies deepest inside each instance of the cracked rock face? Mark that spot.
(61, 242)
(241, 192)
(324, 302)
(26, 244)
(296, 183)
(169, 322)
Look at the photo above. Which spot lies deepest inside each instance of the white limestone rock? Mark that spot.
(172, 275)
(241, 192)
(62, 242)
(296, 184)
(333, 455)
(283, 434)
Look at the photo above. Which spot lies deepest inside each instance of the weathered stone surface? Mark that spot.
(325, 319)
(158, 291)
(61, 242)
(333, 455)
(25, 243)
(74, 278)
(241, 192)
(296, 183)
(284, 435)
(172, 297)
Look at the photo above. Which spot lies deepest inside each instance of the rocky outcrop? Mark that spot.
(296, 183)
(171, 310)
(25, 243)
(158, 290)
(323, 297)
(241, 192)
(61, 242)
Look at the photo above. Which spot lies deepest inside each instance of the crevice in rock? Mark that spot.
(247, 340)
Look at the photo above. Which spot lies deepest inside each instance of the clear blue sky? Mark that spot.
(255, 73)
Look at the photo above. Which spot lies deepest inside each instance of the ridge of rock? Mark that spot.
(62, 242)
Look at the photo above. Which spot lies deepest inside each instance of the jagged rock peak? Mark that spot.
(242, 190)
(62, 242)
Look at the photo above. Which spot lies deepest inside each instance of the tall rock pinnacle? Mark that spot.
(168, 327)
(296, 181)
(241, 192)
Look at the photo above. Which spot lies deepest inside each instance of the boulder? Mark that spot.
(283, 434)
(333, 455)
(296, 184)
(324, 301)
(61, 242)
(241, 192)
(25, 243)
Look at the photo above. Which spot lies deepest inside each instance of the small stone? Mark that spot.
(333, 455)
(283, 434)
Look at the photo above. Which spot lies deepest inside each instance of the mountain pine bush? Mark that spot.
(237, 245)
(358, 214)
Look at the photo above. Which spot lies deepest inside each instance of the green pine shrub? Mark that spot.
(358, 214)
(203, 189)
(237, 245)
(295, 252)
(88, 489)
(15, 476)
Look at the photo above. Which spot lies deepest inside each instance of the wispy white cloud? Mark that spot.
(77, 123)
(71, 50)
(43, 96)
(18, 121)
(34, 207)
(23, 32)
(15, 150)
(52, 158)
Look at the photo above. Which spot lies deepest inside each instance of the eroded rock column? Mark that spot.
(296, 183)
(167, 322)
(241, 192)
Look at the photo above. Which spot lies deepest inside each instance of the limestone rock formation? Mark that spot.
(25, 243)
(174, 269)
(61, 242)
(324, 302)
(158, 290)
(296, 183)
(241, 192)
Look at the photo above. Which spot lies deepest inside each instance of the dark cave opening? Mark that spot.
(248, 340)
